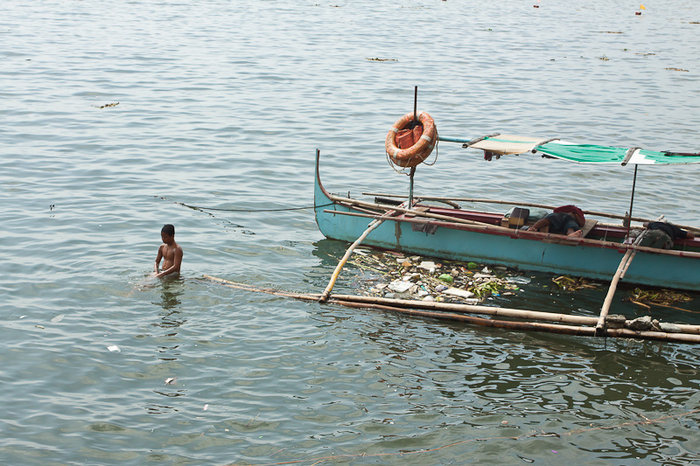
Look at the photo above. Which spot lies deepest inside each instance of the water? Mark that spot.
(222, 104)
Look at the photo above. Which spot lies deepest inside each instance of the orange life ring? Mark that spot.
(422, 145)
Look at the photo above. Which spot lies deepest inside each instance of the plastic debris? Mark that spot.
(400, 286)
(170, 381)
(114, 349)
(427, 265)
(412, 277)
(459, 292)
(58, 318)
(518, 280)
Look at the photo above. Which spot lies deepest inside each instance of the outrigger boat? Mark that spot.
(604, 251)
(599, 251)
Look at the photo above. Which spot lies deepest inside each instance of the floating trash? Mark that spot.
(413, 277)
(662, 298)
(114, 349)
(573, 283)
(400, 286)
(427, 265)
(459, 292)
(518, 280)
(113, 104)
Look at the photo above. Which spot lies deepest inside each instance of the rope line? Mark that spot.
(253, 210)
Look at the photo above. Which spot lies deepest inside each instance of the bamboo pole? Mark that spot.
(619, 274)
(611, 292)
(331, 283)
(687, 334)
(530, 326)
(525, 204)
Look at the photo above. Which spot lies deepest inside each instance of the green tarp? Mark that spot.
(582, 153)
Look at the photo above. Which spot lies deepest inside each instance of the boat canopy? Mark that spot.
(504, 144)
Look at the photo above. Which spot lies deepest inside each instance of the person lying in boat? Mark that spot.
(170, 252)
(566, 220)
(663, 234)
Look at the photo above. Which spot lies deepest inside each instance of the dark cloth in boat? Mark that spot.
(657, 239)
(671, 230)
(561, 222)
(662, 235)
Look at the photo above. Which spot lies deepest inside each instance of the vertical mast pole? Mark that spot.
(413, 169)
(415, 105)
(410, 187)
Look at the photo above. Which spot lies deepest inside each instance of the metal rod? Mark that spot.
(415, 104)
(410, 187)
(634, 184)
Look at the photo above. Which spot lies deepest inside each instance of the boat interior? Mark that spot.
(593, 229)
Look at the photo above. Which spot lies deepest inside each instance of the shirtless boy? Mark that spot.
(170, 252)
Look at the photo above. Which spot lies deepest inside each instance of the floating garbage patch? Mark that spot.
(419, 278)
(394, 275)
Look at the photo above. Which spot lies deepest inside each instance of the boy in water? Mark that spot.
(169, 251)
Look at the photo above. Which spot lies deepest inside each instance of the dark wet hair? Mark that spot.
(168, 230)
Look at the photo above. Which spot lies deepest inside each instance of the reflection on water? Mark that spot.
(170, 292)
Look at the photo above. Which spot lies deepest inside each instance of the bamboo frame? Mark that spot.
(524, 204)
(572, 325)
(611, 290)
(372, 225)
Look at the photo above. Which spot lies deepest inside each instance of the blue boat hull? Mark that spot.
(459, 242)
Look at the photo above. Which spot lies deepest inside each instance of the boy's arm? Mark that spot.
(176, 264)
(158, 258)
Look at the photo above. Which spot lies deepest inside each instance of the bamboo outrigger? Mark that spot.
(499, 317)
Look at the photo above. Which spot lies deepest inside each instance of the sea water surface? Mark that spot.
(116, 116)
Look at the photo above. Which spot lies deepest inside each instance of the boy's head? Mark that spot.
(168, 231)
